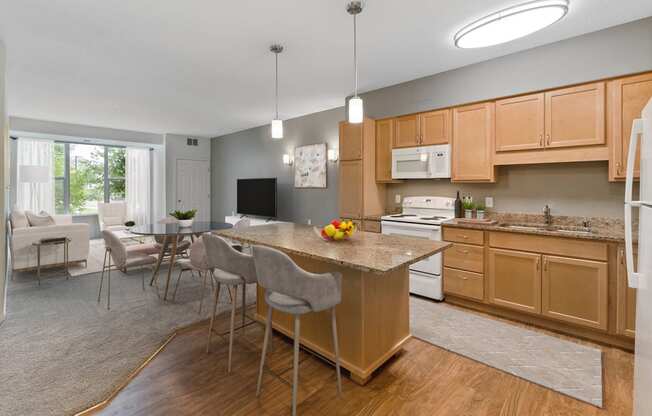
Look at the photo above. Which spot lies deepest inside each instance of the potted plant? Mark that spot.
(185, 218)
(468, 206)
(479, 210)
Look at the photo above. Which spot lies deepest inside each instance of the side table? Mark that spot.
(51, 242)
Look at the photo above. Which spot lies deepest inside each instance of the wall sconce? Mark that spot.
(333, 155)
(287, 160)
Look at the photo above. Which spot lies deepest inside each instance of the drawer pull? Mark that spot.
(463, 251)
(466, 237)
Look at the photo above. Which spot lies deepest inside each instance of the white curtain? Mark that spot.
(159, 209)
(30, 194)
(137, 187)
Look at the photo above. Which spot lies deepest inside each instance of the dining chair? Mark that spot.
(198, 262)
(231, 268)
(116, 251)
(290, 289)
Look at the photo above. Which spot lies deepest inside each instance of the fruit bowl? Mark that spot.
(337, 230)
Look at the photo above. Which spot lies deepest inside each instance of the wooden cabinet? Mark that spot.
(627, 97)
(350, 192)
(424, 129)
(520, 123)
(575, 291)
(625, 300)
(575, 116)
(371, 226)
(384, 143)
(435, 127)
(406, 132)
(359, 194)
(465, 257)
(515, 280)
(350, 141)
(473, 143)
(464, 263)
(463, 283)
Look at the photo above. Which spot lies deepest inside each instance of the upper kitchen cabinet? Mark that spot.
(350, 141)
(406, 132)
(627, 97)
(384, 142)
(520, 123)
(575, 116)
(473, 143)
(435, 127)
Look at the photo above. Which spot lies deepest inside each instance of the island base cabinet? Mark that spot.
(373, 319)
(515, 280)
(575, 291)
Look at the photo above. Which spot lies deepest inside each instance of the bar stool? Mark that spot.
(198, 262)
(292, 290)
(231, 268)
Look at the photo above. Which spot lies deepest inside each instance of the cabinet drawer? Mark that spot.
(563, 246)
(371, 226)
(465, 257)
(461, 235)
(461, 283)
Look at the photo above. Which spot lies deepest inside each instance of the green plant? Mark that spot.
(184, 215)
(468, 204)
(480, 206)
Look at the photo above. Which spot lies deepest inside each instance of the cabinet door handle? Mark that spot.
(621, 254)
(548, 140)
(545, 265)
(541, 140)
(538, 264)
(618, 168)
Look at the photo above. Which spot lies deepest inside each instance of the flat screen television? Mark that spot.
(257, 197)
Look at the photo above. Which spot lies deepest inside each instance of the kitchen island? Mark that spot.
(374, 316)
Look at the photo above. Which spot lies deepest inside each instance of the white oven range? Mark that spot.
(421, 218)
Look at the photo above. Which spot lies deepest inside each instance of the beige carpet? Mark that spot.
(61, 351)
(563, 366)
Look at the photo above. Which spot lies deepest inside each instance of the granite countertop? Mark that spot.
(600, 228)
(364, 251)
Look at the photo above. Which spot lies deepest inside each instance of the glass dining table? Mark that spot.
(169, 237)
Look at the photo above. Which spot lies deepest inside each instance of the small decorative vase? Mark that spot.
(468, 213)
(479, 214)
(186, 223)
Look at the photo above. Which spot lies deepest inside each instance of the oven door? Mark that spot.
(431, 265)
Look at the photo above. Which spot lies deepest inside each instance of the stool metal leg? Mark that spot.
(174, 294)
(108, 288)
(233, 303)
(38, 264)
(99, 294)
(204, 274)
(336, 348)
(268, 332)
(244, 304)
(210, 328)
(295, 365)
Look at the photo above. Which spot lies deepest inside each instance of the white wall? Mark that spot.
(4, 181)
(176, 148)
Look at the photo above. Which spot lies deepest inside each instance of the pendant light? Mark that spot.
(277, 123)
(356, 112)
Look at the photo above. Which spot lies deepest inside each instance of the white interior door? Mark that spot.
(193, 187)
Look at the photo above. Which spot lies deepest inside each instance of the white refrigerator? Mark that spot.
(640, 275)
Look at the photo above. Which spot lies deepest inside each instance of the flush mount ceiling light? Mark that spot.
(356, 112)
(277, 123)
(511, 23)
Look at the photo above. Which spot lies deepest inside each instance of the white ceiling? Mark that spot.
(203, 67)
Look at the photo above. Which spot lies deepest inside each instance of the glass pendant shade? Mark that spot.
(277, 129)
(356, 112)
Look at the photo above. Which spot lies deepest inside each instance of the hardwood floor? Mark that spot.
(422, 380)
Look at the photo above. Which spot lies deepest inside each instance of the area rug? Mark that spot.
(62, 352)
(566, 367)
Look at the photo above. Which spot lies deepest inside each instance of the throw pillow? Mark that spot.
(18, 219)
(39, 220)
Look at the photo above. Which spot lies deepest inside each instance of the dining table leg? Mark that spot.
(161, 254)
(173, 254)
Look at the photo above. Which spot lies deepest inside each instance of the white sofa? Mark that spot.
(23, 253)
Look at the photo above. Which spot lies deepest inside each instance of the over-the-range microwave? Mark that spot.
(423, 162)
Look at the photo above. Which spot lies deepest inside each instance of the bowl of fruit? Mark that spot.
(337, 230)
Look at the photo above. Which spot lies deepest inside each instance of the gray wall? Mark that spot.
(571, 189)
(253, 154)
(176, 148)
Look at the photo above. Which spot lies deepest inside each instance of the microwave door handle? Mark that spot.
(632, 276)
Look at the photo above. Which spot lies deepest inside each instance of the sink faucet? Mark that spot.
(547, 218)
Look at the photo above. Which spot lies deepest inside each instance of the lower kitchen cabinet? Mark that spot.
(575, 291)
(626, 299)
(515, 280)
(463, 283)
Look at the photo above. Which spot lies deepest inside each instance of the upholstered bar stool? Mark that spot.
(231, 268)
(122, 259)
(198, 262)
(292, 290)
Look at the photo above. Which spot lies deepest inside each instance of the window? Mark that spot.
(85, 174)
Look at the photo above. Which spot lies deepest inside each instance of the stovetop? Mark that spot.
(428, 210)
